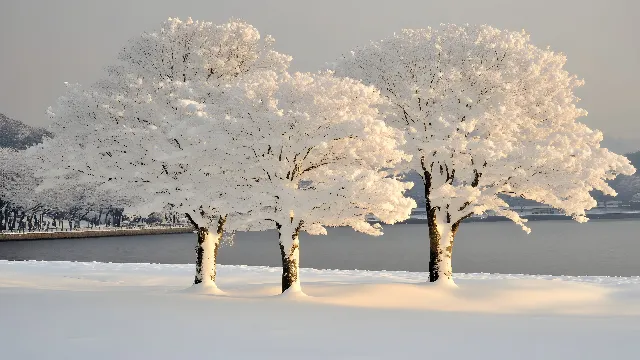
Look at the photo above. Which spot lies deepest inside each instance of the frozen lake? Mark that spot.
(599, 247)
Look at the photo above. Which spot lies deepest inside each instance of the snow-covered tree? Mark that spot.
(17, 185)
(74, 200)
(131, 133)
(67, 200)
(10, 175)
(317, 150)
(10, 172)
(186, 51)
(485, 113)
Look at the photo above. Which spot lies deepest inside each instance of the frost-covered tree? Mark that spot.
(75, 200)
(17, 184)
(486, 113)
(317, 151)
(11, 172)
(10, 176)
(65, 199)
(131, 133)
(188, 51)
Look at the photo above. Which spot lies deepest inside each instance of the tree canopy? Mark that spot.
(486, 113)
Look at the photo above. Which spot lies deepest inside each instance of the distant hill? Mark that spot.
(628, 186)
(17, 135)
(635, 159)
(621, 145)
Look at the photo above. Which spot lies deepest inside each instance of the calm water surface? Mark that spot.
(602, 247)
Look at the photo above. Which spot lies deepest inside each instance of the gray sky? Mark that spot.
(44, 43)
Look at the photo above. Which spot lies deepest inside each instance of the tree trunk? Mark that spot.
(434, 235)
(434, 244)
(15, 218)
(21, 224)
(6, 217)
(2, 217)
(441, 238)
(445, 250)
(288, 236)
(117, 216)
(207, 253)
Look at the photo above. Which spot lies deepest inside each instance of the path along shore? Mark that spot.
(86, 233)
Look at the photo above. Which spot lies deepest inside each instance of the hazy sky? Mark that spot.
(47, 42)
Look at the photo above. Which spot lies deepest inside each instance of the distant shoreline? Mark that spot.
(540, 217)
(32, 236)
(90, 233)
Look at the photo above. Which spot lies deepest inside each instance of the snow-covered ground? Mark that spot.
(65, 310)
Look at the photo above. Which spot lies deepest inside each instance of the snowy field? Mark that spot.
(66, 310)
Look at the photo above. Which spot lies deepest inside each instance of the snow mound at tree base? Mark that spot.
(204, 288)
(443, 283)
(294, 292)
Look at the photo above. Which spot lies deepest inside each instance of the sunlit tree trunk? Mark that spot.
(288, 236)
(442, 232)
(207, 252)
(441, 238)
